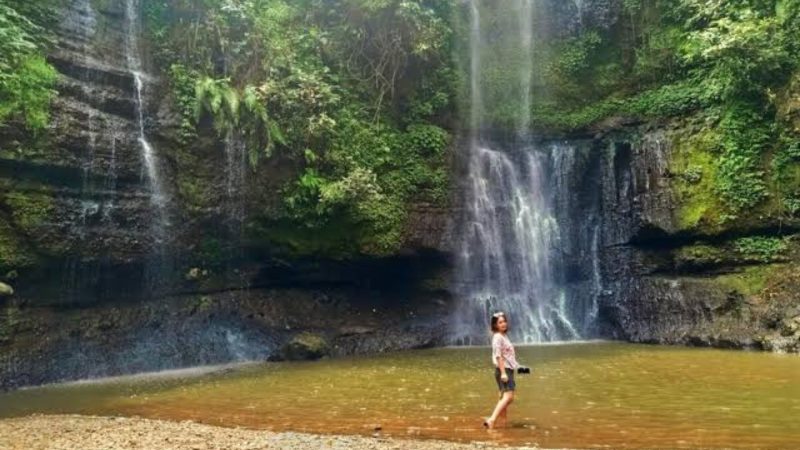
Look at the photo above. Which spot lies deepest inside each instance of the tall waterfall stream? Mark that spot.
(512, 239)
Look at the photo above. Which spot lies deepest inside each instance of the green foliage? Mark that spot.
(766, 249)
(786, 175)
(670, 100)
(346, 90)
(740, 179)
(575, 60)
(26, 79)
(183, 82)
(724, 61)
(410, 164)
(740, 47)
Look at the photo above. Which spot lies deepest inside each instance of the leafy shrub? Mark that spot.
(26, 79)
(763, 248)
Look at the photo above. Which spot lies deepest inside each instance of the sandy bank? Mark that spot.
(73, 432)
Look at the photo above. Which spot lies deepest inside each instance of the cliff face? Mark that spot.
(669, 278)
(100, 291)
(109, 281)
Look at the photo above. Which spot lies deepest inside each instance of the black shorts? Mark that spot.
(508, 386)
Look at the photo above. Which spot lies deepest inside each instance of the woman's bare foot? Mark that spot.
(488, 423)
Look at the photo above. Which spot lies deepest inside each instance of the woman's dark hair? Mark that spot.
(495, 317)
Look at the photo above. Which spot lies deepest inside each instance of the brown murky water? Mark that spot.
(580, 396)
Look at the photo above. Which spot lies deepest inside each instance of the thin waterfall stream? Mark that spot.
(156, 264)
(133, 57)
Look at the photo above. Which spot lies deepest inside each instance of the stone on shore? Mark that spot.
(306, 346)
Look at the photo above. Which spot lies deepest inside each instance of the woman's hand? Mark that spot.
(504, 377)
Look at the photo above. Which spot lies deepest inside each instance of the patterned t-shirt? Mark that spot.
(501, 346)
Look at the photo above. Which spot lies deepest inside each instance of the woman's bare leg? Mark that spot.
(503, 417)
(502, 404)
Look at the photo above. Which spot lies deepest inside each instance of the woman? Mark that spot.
(505, 362)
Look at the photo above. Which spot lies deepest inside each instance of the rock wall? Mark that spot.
(96, 291)
(667, 280)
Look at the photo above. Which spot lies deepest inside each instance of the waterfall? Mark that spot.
(526, 68)
(476, 105)
(133, 57)
(579, 11)
(110, 182)
(235, 179)
(80, 18)
(512, 241)
(236, 165)
(155, 268)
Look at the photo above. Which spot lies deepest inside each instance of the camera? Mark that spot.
(521, 370)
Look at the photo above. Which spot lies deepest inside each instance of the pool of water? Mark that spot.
(579, 395)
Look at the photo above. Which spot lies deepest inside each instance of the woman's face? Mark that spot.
(502, 325)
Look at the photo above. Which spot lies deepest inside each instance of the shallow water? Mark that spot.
(580, 395)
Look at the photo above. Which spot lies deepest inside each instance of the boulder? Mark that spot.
(6, 290)
(305, 346)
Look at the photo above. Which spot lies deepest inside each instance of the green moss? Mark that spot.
(700, 254)
(14, 252)
(750, 281)
(694, 165)
(784, 180)
(29, 209)
(306, 346)
(195, 192)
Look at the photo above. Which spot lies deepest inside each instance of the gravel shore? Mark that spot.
(73, 432)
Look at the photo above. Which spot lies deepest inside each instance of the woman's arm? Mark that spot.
(501, 364)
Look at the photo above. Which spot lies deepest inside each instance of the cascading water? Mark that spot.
(80, 19)
(235, 179)
(236, 162)
(155, 268)
(511, 247)
(526, 68)
(132, 54)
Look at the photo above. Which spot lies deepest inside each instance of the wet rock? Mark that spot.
(354, 330)
(306, 346)
(790, 326)
(6, 290)
(193, 274)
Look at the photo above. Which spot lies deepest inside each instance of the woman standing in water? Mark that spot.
(505, 362)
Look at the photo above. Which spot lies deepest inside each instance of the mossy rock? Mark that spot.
(5, 290)
(750, 281)
(306, 346)
(14, 251)
(694, 164)
(29, 209)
